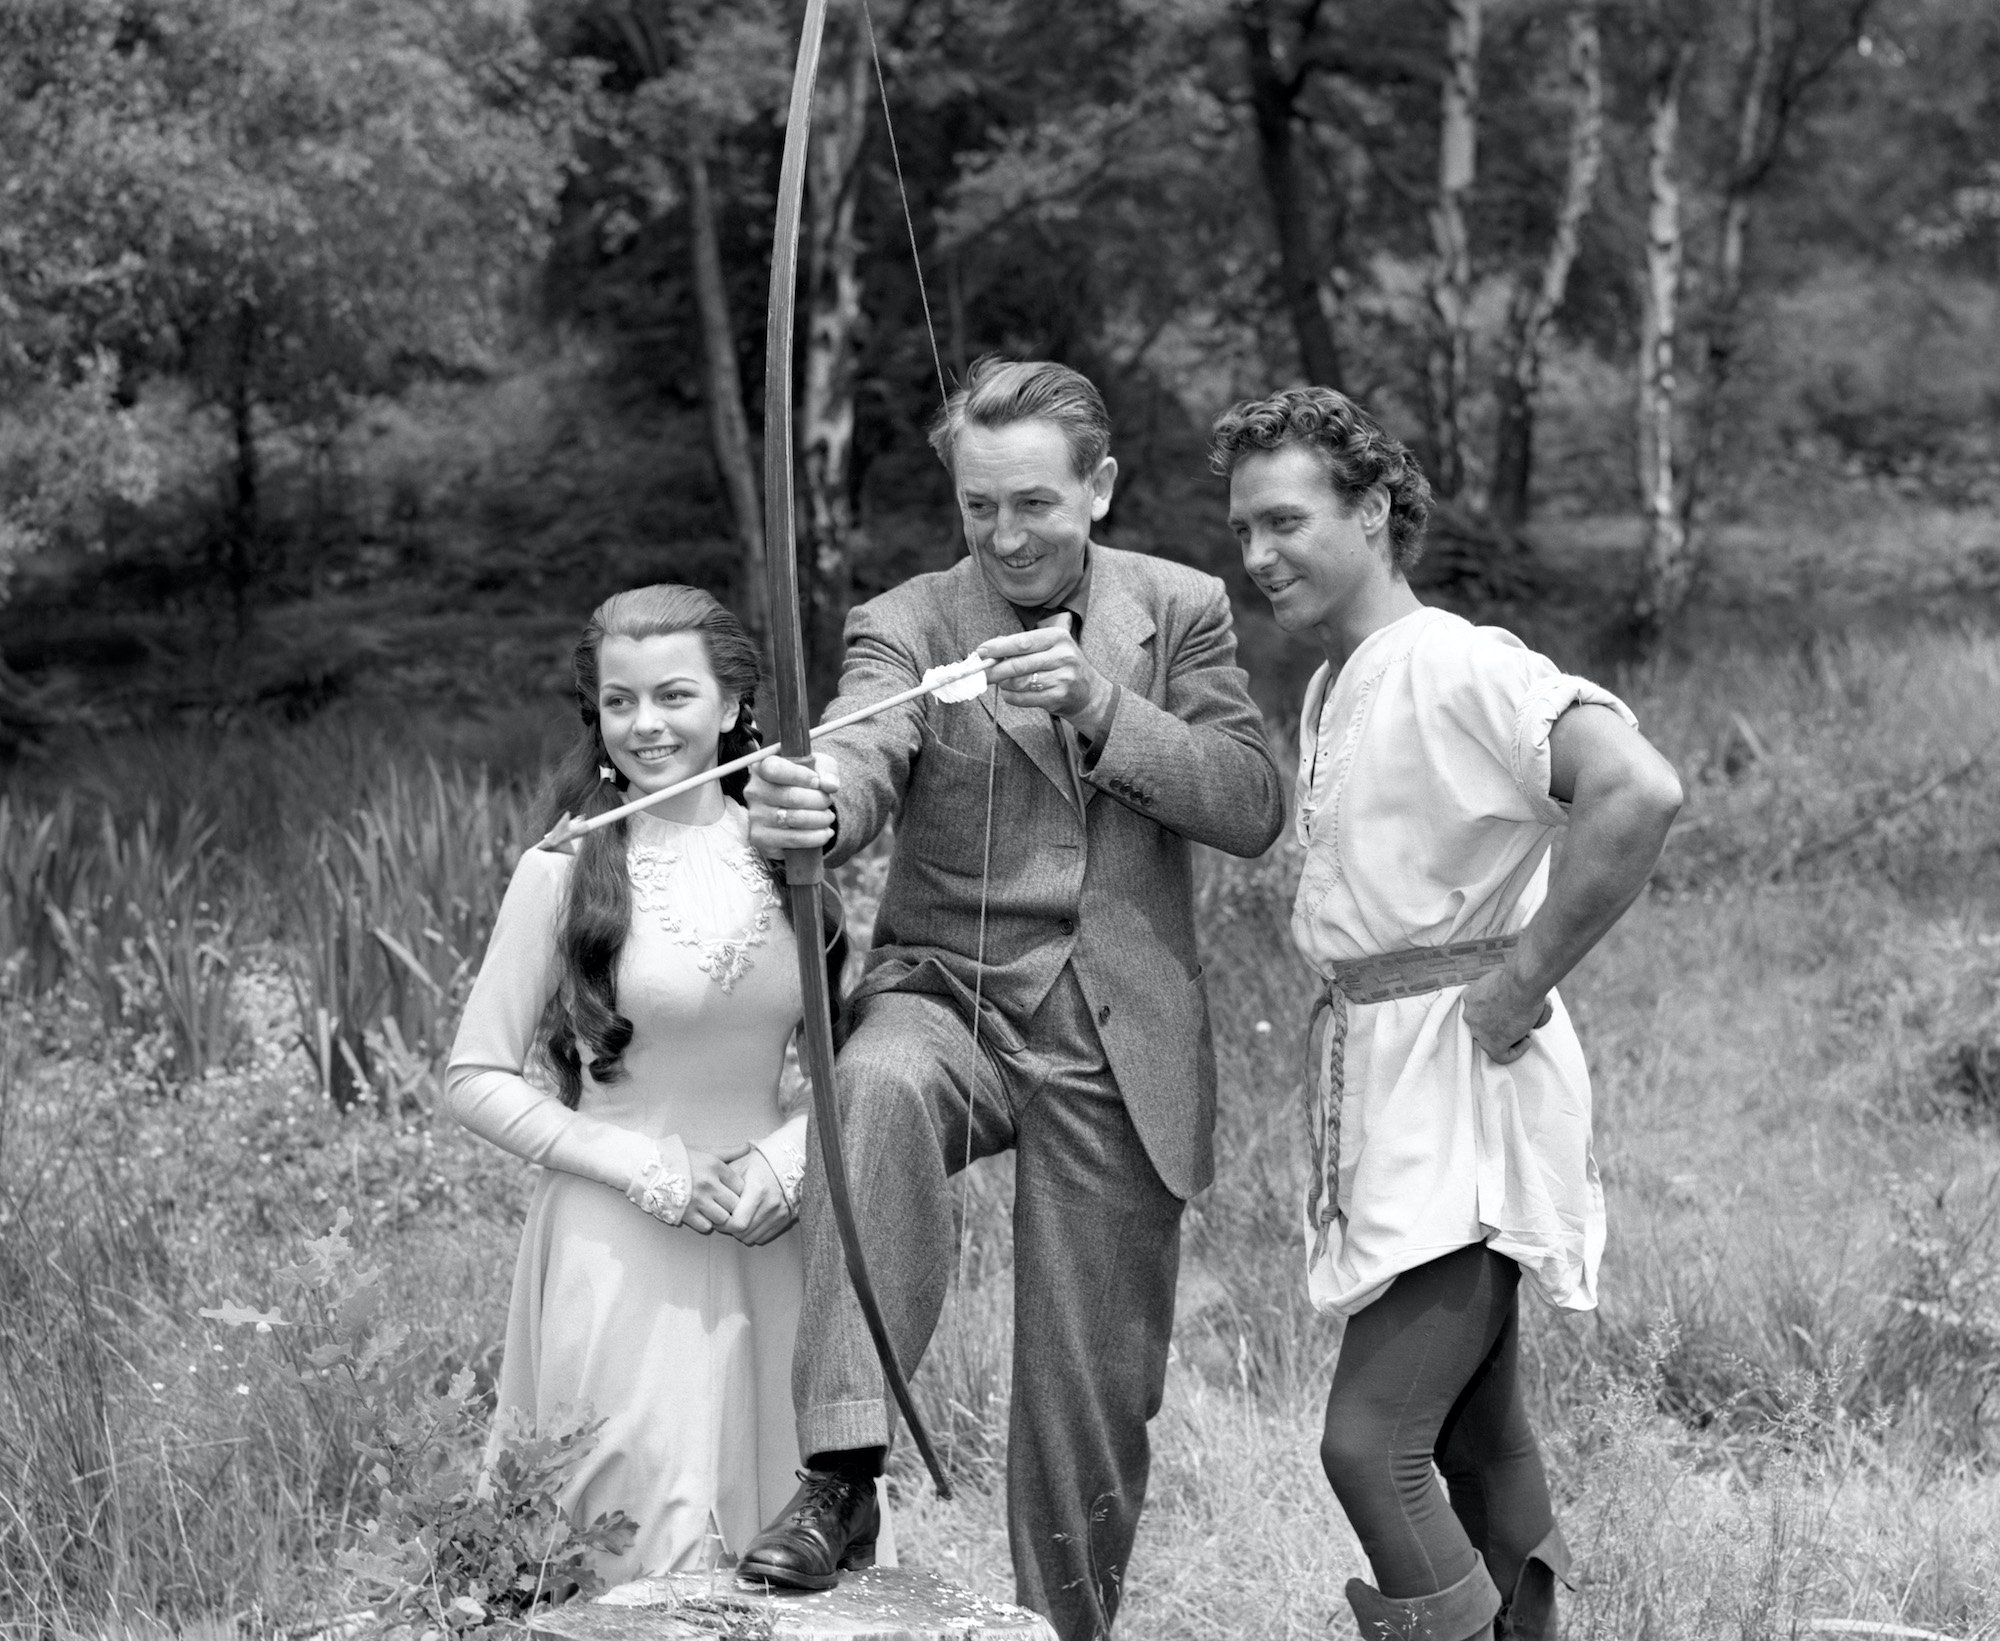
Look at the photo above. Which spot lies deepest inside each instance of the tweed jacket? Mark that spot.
(1099, 875)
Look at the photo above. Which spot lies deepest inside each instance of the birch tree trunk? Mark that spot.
(1777, 76)
(1666, 569)
(1450, 288)
(1275, 88)
(729, 428)
(833, 334)
(1518, 380)
(1719, 354)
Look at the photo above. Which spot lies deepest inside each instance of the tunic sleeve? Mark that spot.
(1503, 699)
(1546, 700)
(487, 1087)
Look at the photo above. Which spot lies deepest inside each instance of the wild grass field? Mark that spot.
(232, 962)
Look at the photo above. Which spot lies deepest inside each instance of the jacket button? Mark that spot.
(1104, 1014)
(1067, 926)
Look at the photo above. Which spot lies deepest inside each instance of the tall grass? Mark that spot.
(222, 1016)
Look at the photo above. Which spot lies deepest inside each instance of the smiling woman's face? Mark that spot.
(1027, 513)
(660, 707)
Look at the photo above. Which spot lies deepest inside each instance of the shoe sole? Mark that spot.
(858, 1558)
(783, 1578)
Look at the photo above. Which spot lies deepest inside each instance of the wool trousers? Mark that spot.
(1096, 1253)
(1430, 1374)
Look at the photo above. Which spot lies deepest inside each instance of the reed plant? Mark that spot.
(389, 917)
(136, 912)
(45, 860)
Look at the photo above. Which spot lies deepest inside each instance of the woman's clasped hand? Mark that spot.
(735, 1191)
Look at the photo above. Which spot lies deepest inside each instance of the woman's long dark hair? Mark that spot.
(583, 1025)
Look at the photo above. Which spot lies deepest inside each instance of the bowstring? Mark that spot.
(903, 194)
(993, 744)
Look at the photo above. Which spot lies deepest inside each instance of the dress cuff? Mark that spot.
(785, 1150)
(664, 1184)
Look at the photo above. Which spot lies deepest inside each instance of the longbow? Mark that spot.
(805, 868)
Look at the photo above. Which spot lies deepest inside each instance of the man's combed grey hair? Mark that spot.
(998, 392)
(1350, 444)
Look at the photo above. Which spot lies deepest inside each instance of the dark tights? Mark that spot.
(1430, 1373)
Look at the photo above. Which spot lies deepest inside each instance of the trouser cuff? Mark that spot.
(1454, 1614)
(1530, 1612)
(826, 1427)
(1553, 1553)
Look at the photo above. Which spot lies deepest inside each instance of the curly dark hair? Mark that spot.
(1351, 445)
(583, 1018)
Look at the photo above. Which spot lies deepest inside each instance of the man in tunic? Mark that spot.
(1448, 1100)
(1033, 984)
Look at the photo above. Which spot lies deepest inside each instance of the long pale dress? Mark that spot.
(1425, 815)
(681, 1342)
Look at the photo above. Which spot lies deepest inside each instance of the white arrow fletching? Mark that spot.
(960, 680)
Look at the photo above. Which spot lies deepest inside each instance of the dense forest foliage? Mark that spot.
(388, 301)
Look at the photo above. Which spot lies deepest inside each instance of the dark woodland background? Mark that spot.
(354, 347)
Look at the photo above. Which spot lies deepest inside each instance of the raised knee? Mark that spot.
(878, 1087)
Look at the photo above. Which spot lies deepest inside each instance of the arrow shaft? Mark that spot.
(716, 772)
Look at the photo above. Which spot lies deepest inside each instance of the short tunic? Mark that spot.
(1425, 815)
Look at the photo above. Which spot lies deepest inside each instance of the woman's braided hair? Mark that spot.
(1351, 445)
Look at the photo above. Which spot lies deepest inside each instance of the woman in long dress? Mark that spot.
(655, 975)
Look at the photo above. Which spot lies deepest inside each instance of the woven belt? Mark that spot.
(1369, 980)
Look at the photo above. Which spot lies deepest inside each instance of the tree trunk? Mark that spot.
(1726, 284)
(833, 331)
(954, 285)
(1450, 287)
(1774, 83)
(1667, 569)
(244, 503)
(1519, 378)
(1274, 95)
(729, 428)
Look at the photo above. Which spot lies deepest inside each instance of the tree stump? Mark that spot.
(883, 1604)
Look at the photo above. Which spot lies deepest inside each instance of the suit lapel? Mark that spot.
(984, 614)
(1118, 625)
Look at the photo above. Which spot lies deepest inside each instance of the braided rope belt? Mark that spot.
(1369, 980)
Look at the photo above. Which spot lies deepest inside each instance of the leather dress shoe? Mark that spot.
(828, 1528)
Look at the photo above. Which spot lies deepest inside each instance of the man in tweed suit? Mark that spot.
(1123, 733)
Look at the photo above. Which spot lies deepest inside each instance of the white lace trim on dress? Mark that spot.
(661, 1189)
(788, 1164)
(725, 961)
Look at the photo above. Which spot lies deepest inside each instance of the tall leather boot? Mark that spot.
(1529, 1613)
(1463, 1612)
